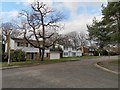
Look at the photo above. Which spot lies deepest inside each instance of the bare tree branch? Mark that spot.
(38, 22)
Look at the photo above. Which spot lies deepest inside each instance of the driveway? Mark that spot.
(77, 74)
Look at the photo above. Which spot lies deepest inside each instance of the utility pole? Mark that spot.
(8, 47)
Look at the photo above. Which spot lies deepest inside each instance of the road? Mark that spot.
(77, 74)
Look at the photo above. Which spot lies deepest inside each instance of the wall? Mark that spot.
(26, 49)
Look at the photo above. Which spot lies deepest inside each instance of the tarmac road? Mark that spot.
(77, 74)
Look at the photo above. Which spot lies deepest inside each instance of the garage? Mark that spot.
(54, 55)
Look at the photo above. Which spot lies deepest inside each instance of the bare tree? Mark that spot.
(41, 25)
(8, 30)
(77, 39)
(64, 40)
(73, 36)
(82, 38)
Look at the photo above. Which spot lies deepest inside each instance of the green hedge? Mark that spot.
(16, 55)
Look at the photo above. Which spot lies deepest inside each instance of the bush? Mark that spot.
(4, 57)
(112, 53)
(104, 52)
(19, 55)
(96, 53)
(16, 55)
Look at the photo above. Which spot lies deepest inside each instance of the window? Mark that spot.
(18, 43)
(47, 54)
(73, 48)
(31, 45)
(90, 49)
(26, 44)
(65, 53)
(74, 54)
(65, 48)
(22, 44)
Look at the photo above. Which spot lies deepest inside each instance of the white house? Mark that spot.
(70, 51)
(32, 53)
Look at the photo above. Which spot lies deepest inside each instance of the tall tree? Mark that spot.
(111, 17)
(99, 33)
(107, 31)
(41, 25)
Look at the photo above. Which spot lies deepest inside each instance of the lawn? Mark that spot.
(111, 62)
(115, 62)
(35, 62)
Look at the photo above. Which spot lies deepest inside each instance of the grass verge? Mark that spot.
(115, 62)
(35, 62)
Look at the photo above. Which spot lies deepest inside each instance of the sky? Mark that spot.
(77, 13)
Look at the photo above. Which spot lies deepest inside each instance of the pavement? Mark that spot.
(77, 74)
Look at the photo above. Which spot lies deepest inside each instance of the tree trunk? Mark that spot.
(43, 51)
(39, 54)
(43, 28)
(8, 47)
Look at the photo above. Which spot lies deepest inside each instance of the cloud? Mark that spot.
(29, 2)
(79, 23)
(7, 16)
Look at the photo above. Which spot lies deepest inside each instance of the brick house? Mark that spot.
(87, 50)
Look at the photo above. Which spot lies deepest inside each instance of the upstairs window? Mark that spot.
(26, 44)
(65, 48)
(73, 48)
(31, 45)
(22, 44)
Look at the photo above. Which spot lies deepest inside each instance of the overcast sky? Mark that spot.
(77, 13)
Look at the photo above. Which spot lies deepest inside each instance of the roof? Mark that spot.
(18, 38)
(23, 39)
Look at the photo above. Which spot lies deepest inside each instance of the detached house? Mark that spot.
(32, 53)
(70, 51)
(87, 50)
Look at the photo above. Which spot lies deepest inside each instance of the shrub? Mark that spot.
(15, 55)
(19, 55)
(96, 53)
(104, 52)
(112, 53)
(4, 57)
